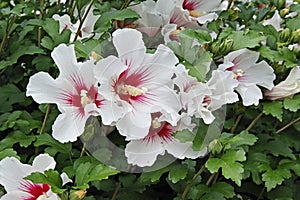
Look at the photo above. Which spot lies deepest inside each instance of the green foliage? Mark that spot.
(248, 158)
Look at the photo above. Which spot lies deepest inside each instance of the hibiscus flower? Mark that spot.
(13, 172)
(74, 91)
(144, 152)
(138, 82)
(249, 74)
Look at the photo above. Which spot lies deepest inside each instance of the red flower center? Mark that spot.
(34, 190)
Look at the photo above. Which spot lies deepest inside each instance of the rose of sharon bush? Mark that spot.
(13, 172)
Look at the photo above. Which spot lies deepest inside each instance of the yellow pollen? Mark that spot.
(95, 56)
(238, 73)
(194, 13)
(131, 90)
(42, 196)
(84, 98)
(175, 32)
(155, 123)
(298, 31)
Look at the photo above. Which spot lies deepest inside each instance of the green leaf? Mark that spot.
(205, 134)
(105, 20)
(272, 178)
(177, 172)
(243, 138)
(10, 95)
(274, 108)
(293, 23)
(50, 177)
(24, 49)
(245, 40)
(87, 172)
(292, 104)
(184, 135)
(231, 168)
(8, 153)
(224, 188)
(53, 145)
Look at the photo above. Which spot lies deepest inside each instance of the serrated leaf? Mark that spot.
(87, 172)
(292, 104)
(272, 178)
(105, 20)
(50, 177)
(231, 168)
(274, 108)
(177, 173)
(47, 140)
(245, 40)
(10, 95)
(8, 153)
(224, 188)
(243, 138)
(184, 135)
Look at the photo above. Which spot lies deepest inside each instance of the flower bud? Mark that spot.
(295, 36)
(215, 147)
(285, 35)
(281, 3)
(284, 12)
(77, 195)
(226, 46)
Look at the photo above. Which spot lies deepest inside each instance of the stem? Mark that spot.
(261, 193)
(254, 121)
(82, 150)
(237, 121)
(40, 28)
(116, 191)
(45, 119)
(82, 20)
(188, 186)
(229, 4)
(211, 178)
(288, 125)
(10, 24)
(125, 4)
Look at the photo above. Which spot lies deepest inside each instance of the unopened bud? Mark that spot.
(77, 195)
(281, 3)
(285, 35)
(284, 12)
(226, 46)
(215, 147)
(295, 36)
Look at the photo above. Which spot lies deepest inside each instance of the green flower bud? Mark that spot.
(215, 147)
(226, 46)
(281, 3)
(285, 35)
(295, 36)
(77, 194)
(284, 12)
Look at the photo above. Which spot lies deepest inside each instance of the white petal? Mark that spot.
(134, 125)
(43, 162)
(143, 153)
(109, 68)
(65, 59)
(130, 46)
(250, 94)
(65, 179)
(243, 58)
(12, 171)
(68, 126)
(44, 89)
(112, 111)
(207, 18)
(15, 195)
(183, 150)
(261, 74)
